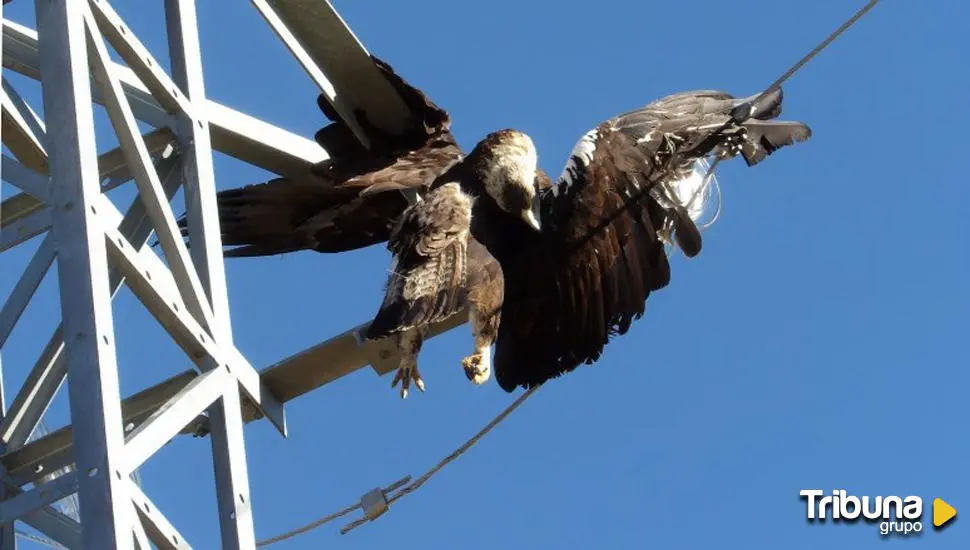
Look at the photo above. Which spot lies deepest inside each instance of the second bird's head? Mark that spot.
(507, 162)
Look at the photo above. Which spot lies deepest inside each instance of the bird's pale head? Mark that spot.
(507, 163)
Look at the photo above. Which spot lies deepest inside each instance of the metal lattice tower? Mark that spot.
(98, 248)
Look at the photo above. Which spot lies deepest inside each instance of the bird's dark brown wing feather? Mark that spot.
(589, 274)
(427, 280)
(313, 213)
(349, 201)
(593, 284)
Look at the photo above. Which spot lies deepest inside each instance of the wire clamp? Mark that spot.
(374, 503)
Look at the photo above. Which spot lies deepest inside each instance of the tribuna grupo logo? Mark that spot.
(900, 515)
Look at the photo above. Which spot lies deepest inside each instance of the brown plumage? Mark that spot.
(349, 201)
(561, 293)
(356, 199)
(586, 277)
(440, 265)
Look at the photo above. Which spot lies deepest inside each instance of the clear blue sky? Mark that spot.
(819, 341)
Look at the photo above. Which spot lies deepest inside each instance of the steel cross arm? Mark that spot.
(233, 133)
(325, 362)
(337, 62)
(288, 379)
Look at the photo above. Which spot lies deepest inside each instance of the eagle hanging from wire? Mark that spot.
(583, 274)
(358, 198)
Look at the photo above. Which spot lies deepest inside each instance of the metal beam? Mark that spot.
(48, 372)
(38, 497)
(140, 60)
(22, 293)
(53, 451)
(149, 186)
(148, 278)
(198, 176)
(339, 64)
(52, 523)
(8, 534)
(157, 527)
(233, 133)
(83, 273)
(25, 228)
(340, 102)
(323, 363)
(25, 179)
(228, 448)
(175, 414)
(23, 131)
(317, 28)
(111, 167)
(337, 357)
(232, 474)
(138, 533)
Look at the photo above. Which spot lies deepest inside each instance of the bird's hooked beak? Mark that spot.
(530, 218)
(531, 215)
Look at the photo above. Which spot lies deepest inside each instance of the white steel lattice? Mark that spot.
(62, 183)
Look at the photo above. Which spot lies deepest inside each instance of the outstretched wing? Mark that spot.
(589, 274)
(429, 247)
(587, 277)
(350, 200)
(315, 213)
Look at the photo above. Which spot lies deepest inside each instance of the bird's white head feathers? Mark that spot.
(510, 173)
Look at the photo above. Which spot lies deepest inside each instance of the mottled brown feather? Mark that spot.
(429, 245)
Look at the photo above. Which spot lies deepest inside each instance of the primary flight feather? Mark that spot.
(626, 189)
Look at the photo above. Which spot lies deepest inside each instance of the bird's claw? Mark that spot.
(733, 142)
(475, 370)
(405, 375)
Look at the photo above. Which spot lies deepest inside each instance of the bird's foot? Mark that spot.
(405, 375)
(733, 142)
(476, 368)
